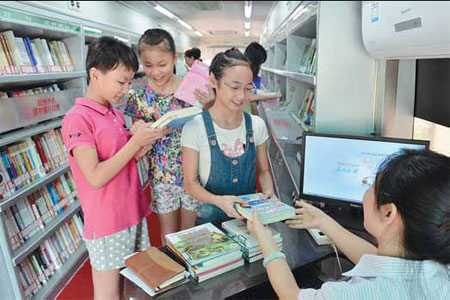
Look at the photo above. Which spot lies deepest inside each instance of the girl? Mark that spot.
(191, 55)
(101, 155)
(156, 49)
(407, 211)
(223, 146)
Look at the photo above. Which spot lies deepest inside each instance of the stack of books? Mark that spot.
(269, 210)
(206, 251)
(251, 251)
(154, 271)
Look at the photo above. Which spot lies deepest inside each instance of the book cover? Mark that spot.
(196, 78)
(201, 243)
(269, 210)
(155, 268)
(177, 118)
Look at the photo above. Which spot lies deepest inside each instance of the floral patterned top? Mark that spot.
(165, 156)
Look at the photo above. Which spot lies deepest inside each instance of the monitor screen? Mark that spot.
(341, 168)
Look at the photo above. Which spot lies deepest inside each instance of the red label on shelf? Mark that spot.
(46, 106)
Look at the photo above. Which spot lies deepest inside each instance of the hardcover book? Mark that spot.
(202, 244)
(196, 78)
(155, 268)
(177, 118)
(269, 210)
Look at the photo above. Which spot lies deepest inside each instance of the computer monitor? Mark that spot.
(339, 169)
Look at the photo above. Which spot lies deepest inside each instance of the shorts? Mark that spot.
(167, 198)
(109, 252)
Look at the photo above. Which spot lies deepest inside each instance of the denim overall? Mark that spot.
(228, 175)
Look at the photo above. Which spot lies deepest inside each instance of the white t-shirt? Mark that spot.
(231, 142)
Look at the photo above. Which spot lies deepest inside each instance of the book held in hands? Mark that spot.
(269, 210)
(196, 78)
(177, 118)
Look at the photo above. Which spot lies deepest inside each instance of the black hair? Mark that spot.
(156, 37)
(107, 53)
(257, 55)
(194, 52)
(418, 183)
(225, 60)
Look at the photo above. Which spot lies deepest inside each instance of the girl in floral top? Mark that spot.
(157, 53)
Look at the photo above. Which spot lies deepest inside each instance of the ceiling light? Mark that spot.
(247, 33)
(247, 25)
(248, 9)
(186, 25)
(164, 11)
(121, 39)
(93, 29)
(199, 33)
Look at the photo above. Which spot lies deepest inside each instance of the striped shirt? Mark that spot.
(383, 277)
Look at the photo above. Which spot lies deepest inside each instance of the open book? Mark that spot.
(269, 210)
(154, 271)
(196, 78)
(177, 118)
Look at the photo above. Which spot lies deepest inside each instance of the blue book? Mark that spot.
(54, 196)
(27, 43)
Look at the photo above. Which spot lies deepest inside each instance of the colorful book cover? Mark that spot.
(202, 243)
(269, 210)
(196, 78)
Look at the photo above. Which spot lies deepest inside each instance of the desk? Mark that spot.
(300, 250)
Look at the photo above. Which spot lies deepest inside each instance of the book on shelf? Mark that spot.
(35, 270)
(155, 270)
(269, 210)
(308, 56)
(196, 78)
(177, 118)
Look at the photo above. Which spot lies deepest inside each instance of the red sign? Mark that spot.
(46, 106)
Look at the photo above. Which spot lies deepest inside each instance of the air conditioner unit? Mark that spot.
(406, 29)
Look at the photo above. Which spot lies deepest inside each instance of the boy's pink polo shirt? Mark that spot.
(121, 203)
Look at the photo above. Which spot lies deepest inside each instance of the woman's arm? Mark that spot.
(99, 173)
(279, 272)
(196, 191)
(264, 175)
(309, 216)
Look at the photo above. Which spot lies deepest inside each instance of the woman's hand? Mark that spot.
(205, 98)
(136, 125)
(226, 203)
(307, 216)
(263, 234)
(269, 195)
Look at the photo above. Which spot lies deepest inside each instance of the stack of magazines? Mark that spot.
(251, 251)
(206, 251)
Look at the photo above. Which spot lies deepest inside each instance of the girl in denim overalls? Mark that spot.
(224, 145)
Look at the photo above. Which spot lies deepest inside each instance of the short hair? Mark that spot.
(107, 53)
(418, 183)
(225, 60)
(257, 55)
(156, 37)
(194, 52)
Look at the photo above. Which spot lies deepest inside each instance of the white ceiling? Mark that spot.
(229, 18)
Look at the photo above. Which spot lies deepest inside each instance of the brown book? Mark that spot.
(154, 267)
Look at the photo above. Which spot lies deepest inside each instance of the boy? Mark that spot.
(101, 153)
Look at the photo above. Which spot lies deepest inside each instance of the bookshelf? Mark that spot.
(315, 51)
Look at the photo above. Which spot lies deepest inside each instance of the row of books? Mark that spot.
(29, 160)
(206, 251)
(36, 269)
(306, 111)
(308, 61)
(31, 214)
(238, 231)
(25, 56)
(29, 92)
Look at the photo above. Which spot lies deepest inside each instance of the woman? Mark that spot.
(407, 211)
(191, 55)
